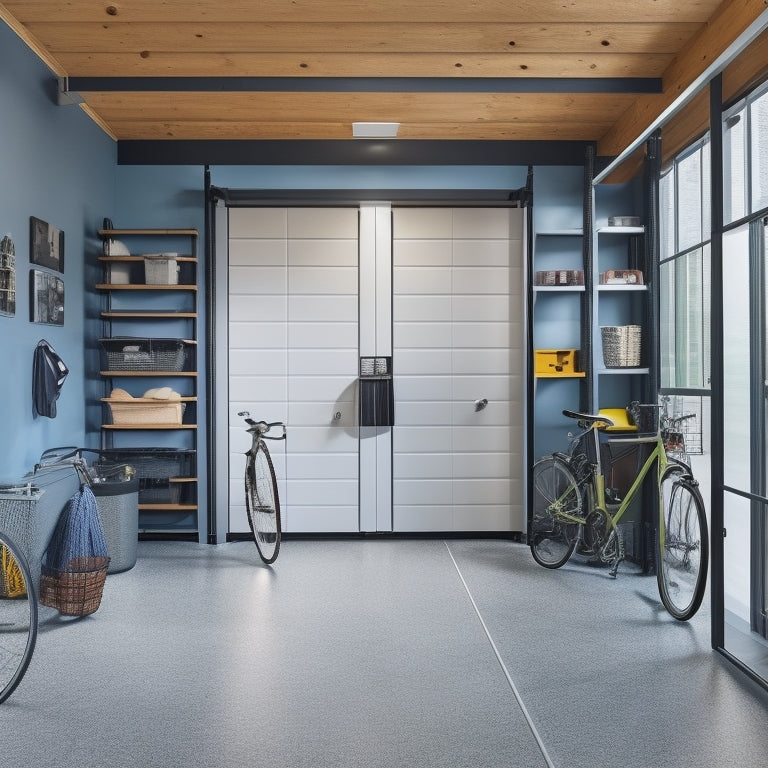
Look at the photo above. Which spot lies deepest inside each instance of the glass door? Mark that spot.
(745, 351)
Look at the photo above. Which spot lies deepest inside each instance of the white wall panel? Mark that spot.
(335, 308)
(257, 253)
(323, 223)
(258, 223)
(328, 253)
(469, 293)
(427, 280)
(243, 361)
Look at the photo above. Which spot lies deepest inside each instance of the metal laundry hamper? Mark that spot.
(118, 503)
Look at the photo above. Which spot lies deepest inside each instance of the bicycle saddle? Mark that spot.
(588, 417)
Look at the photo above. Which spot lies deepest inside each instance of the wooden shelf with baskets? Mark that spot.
(149, 297)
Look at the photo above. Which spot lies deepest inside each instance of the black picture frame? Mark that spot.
(46, 298)
(46, 244)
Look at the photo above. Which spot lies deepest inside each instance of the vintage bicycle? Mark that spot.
(18, 616)
(262, 501)
(574, 511)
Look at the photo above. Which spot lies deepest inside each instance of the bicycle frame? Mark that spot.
(657, 456)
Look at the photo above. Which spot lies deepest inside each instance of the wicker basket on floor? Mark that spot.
(77, 590)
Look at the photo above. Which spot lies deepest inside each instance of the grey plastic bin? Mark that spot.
(118, 505)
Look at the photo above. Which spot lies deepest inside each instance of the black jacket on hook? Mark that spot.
(48, 374)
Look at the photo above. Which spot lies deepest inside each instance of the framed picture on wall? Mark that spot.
(46, 244)
(7, 277)
(46, 298)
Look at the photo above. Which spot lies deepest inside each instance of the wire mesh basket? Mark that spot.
(139, 354)
(621, 345)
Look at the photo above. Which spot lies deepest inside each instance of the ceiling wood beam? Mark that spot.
(730, 20)
(606, 65)
(194, 38)
(278, 130)
(340, 11)
(336, 107)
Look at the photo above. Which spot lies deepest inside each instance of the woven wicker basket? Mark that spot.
(76, 591)
(12, 582)
(621, 345)
(146, 411)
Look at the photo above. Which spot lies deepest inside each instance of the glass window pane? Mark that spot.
(706, 190)
(689, 201)
(734, 160)
(758, 128)
(685, 321)
(736, 359)
(667, 214)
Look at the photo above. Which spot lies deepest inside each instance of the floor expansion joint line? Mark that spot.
(503, 666)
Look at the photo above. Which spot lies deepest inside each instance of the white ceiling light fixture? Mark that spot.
(375, 130)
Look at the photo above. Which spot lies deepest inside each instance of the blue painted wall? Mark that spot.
(57, 165)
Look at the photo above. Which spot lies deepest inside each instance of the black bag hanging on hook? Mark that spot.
(48, 374)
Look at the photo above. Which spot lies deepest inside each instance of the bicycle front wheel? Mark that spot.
(682, 546)
(262, 503)
(555, 494)
(18, 617)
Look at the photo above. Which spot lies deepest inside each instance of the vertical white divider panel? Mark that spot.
(375, 340)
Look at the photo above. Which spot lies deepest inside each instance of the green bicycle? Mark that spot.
(572, 510)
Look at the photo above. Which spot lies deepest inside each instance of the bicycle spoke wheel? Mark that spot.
(555, 493)
(18, 617)
(682, 546)
(262, 504)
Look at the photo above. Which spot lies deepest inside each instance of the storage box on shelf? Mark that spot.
(149, 331)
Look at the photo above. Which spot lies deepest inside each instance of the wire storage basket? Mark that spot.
(645, 416)
(621, 345)
(126, 353)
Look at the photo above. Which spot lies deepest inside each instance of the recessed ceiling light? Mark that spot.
(375, 130)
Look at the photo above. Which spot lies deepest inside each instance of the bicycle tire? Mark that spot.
(18, 618)
(682, 545)
(555, 489)
(262, 503)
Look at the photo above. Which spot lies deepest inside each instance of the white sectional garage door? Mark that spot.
(293, 341)
(447, 289)
(458, 340)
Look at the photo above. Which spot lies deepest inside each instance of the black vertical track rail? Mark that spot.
(651, 261)
(717, 526)
(529, 439)
(210, 358)
(587, 304)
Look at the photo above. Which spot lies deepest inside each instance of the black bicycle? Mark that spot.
(261, 498)
(18, 616)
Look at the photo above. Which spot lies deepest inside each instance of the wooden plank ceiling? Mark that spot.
(457, 67)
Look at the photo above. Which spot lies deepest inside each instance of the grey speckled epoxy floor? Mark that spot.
(378, 652)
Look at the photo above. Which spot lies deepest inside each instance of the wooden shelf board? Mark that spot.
(110, 232)
(141, 257)
(558, 288)
(119, 374)
(148, 426)
(184, 399)
(165, 507)
(575, 232)
(621, 287)
(135, 315)
(575, 375)
(621, 230)
(143, 287)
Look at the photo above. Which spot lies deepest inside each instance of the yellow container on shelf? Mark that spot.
(620, 419)
(556, 362)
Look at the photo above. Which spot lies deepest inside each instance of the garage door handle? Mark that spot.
(480, 404)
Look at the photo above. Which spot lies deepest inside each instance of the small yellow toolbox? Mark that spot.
(557, 362)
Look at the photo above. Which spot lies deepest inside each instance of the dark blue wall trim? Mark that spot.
(372, 84)
(351, 152)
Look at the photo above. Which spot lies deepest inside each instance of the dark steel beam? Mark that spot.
(350, 152)
(634, 85)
